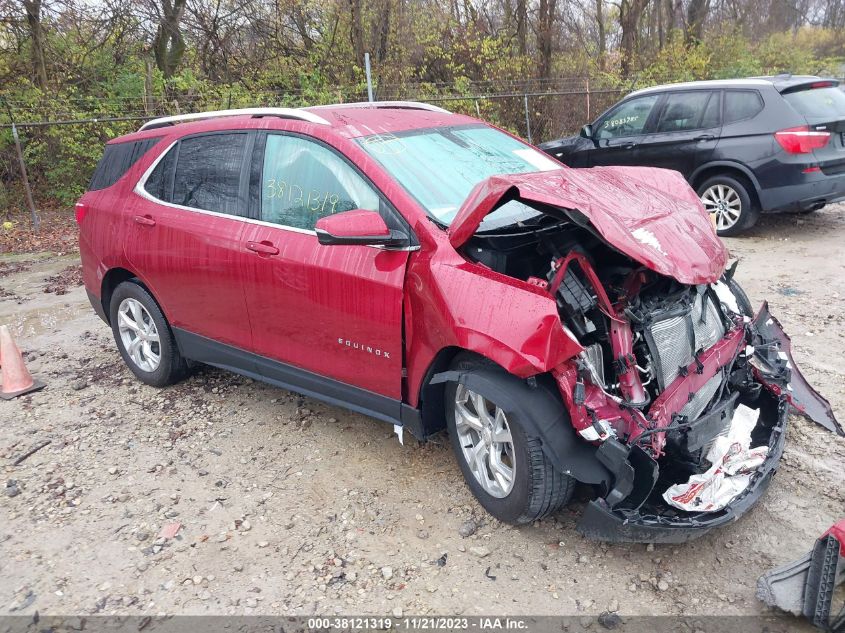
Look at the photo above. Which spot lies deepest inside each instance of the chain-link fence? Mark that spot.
(62, 137)
(541, 109)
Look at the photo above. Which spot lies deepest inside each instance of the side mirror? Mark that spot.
(587, 131)
(358, 227)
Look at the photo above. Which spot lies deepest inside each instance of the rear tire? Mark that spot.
(729, 198)
(144, 337)
(534, 489)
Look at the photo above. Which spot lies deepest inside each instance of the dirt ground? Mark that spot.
(288, 506)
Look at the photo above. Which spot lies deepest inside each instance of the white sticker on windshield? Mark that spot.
(537, 159)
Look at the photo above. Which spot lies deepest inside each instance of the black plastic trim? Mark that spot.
(97, 304)
(205, 350)
(601, 523)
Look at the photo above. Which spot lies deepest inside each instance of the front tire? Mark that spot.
(144, 337)
(742, 300)
(729, 199)
(502, 462)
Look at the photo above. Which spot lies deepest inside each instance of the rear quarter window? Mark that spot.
(817, 103)
(116, 161)
(741, 105)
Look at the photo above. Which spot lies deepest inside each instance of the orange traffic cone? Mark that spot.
(16, 377)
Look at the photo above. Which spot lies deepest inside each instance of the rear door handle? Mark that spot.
(704, 137)
(262, 248)
(146, 220)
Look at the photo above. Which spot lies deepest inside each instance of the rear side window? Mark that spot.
(741, 104)
(160, 183)
(203, 172)
(711, 112)
(116, 161)
(685, 111)
(817, 103)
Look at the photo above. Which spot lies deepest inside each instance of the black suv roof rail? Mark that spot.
(286, 113)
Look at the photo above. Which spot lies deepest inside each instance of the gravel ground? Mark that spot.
(287, 506)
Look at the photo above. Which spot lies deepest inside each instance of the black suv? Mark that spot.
(764, 144)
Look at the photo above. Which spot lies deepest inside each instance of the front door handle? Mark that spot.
(704, 137)
(626, 145)
(145, 220)
(262, 248)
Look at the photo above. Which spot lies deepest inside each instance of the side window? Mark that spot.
(683, 111)
(116, 161)
(159, 181)
(208, 173)
(303, 181)
(712, 112)
(629, 119)
(741, 104)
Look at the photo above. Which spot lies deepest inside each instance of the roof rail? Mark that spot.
(407, 105)
(285, 113)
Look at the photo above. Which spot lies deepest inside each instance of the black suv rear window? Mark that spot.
(818, 102)
(117, 159)
(741, 104)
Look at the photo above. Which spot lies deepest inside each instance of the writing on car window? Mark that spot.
(628, 119)
(304, 181)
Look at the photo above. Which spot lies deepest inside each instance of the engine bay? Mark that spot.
(640, 332)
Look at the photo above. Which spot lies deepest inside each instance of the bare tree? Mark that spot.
(630, 12)
(601, 34)
(169, 44)
(545, 37)
(356, 26)
(36, 32)
(696, 15)
(522, 26)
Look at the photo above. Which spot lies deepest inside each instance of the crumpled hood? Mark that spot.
(651, 215)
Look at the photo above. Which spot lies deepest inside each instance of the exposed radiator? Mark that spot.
(702, 397)
(674, 340)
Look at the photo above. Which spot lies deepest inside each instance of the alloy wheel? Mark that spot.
(725, 203)
(486, 441)
(139, 334)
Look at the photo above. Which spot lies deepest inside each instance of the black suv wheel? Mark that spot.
(728, 198)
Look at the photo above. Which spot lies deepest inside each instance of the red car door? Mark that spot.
(185, 232)
(330, 312)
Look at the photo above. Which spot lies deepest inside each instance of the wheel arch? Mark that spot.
(430, 399)
(112, 279)
(550, 422)
(727, 168)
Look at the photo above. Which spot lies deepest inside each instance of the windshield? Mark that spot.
(440, 166)
(817, 103)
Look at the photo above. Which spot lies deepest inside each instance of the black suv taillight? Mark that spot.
(801, 140)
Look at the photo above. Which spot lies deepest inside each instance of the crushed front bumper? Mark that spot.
(783, 388)
(639, 526)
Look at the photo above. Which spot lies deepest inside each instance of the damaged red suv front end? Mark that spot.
(670, 354)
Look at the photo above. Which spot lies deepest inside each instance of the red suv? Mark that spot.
(430, 270)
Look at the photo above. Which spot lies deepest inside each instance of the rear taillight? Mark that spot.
(801, 140)
(81, 210)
